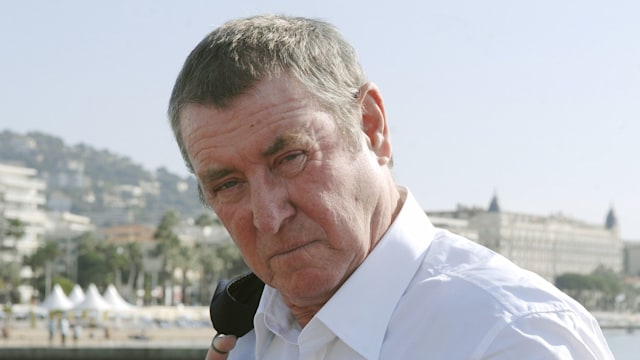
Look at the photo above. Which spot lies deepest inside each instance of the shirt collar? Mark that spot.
(369, 297)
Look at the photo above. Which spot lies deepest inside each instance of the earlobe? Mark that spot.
(374, 122)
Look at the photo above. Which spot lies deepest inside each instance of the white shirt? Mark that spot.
(424, 293)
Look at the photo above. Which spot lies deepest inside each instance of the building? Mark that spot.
(632, 258)
(123, 234)
(547, 245)
(21, 198)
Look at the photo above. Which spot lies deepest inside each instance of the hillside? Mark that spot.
(111, 189)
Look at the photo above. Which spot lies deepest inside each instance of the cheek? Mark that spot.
(239, 224)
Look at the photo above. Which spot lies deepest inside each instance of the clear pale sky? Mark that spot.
(538, 101)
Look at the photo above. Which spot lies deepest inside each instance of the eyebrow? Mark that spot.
(281, 142)
(212, 175)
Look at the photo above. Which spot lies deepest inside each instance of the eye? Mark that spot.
(292, 156)
(227, 191)
(225, 186)
(291, 163)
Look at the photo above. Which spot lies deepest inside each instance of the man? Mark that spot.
(290, 145)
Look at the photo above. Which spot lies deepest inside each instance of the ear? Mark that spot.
(374, 122)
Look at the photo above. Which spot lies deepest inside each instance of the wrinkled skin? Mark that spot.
(302, 204)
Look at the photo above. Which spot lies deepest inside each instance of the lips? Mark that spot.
(292, 249)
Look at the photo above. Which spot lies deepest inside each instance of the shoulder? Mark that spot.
(462, 268)
(468, 298)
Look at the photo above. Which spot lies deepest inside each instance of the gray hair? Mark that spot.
(234, 57)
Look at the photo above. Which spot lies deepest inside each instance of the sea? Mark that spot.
(624, 344)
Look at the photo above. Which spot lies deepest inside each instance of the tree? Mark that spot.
(184, 261)
(211, 267)
(232, 259)
(608, 283)
(575, 285)
(93, 263)
(598, 289)
(9, 272)
(206, 220)
(11, 228)
(168, 245)
(10, 276)
(574, 282)
(41, 263)
(133, 255)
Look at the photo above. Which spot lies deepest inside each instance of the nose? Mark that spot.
(271, 205)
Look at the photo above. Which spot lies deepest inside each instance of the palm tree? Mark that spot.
(211, 267)
(41, 263)
(134, 260)
(167, 246)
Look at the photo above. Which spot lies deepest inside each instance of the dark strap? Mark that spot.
(234, 303)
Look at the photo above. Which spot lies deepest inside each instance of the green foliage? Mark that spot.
(10, 227)
(206, 219)
(596, 290)
(218, 261)
(574, 282)
(65, 283)
(606, 280)
(232, 259)
(9, 275)
(48, 252)
(601, 279)
(94, 263)
(99, 262)
(168, 244)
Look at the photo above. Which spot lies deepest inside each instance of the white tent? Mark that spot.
(93, 301)
(77, 295)
(112, 296)
(57, 300)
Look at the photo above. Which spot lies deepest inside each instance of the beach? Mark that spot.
(148, 327)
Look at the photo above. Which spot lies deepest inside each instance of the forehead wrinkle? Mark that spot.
(282, 141)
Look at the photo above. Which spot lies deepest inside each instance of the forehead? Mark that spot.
(273, 114)
(267, 101)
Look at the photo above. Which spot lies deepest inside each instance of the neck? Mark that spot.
(381, 221)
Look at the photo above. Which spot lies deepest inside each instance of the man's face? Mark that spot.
(297, 199)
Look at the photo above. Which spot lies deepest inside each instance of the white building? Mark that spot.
(632, 258)
(22, 198)
(547, 245)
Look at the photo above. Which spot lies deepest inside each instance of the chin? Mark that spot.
(309, 286)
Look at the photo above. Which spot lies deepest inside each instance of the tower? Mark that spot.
(493, 205)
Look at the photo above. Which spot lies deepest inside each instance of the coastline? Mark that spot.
(617, 320)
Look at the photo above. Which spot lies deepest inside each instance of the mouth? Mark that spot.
(293, 250)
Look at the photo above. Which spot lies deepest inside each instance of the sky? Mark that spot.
(535, 101)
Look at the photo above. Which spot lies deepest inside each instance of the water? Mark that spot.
(624, 345)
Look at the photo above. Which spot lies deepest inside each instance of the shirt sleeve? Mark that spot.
(549, 335)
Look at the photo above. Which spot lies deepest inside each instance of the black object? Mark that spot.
(234, 303)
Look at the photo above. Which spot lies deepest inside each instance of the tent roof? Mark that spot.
(77, 295)
(93, 300)
(57, 300)
(112, 296)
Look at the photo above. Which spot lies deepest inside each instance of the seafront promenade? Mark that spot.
(155, 333)
(618, 320)
(155, 343)
(25, 336)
